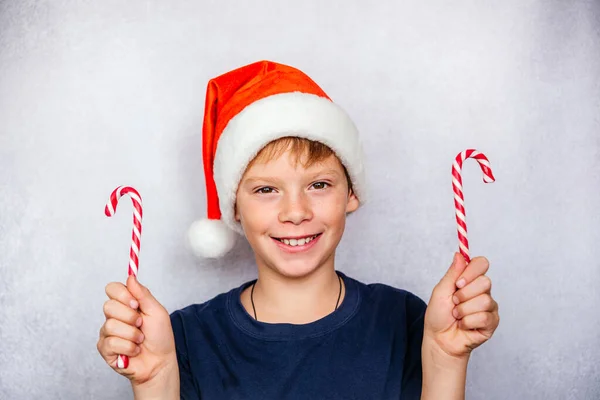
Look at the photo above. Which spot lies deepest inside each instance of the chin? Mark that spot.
(296, 268)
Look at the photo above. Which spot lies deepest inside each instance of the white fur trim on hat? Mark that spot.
(288, 114)
(210, 238)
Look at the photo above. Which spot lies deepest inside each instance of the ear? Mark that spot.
(353, 203)
(236, 213)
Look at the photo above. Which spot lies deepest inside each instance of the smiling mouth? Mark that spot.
(301, 241)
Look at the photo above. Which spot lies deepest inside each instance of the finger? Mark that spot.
(113, 346)
(117, 310)
(482, 320)
(148, 304)
(118, 291)
(481, 303)
(481, 284)
(113, 327)
(447, 285)
(478, 266)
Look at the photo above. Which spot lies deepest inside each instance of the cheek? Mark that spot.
(255, 216)
(332, 211)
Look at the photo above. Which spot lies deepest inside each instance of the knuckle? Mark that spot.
(493, 305)
(111, 342)
(486, 318)
(112, 289)
(486, 263)
(106, 307)
(488, 302)
(482, 261)
(109, 288)
(487, 282)
(110, 325)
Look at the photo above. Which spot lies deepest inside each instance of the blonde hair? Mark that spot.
(305, 151)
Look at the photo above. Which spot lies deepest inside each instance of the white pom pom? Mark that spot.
(210, 238)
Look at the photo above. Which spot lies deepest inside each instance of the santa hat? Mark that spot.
(245, 110)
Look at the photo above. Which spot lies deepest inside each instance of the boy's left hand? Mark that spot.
(462, 315)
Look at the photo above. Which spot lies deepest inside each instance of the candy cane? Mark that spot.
(459, 199)
(109, 210)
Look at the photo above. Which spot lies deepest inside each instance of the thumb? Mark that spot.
(448, 282)
(148, 304)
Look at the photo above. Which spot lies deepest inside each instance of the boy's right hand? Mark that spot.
(137, 326)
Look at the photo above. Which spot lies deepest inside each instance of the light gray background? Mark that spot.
(94, 94)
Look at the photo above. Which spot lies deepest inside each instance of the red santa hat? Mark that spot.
(246, 109)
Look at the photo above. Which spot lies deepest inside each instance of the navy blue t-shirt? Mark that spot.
(369, 348)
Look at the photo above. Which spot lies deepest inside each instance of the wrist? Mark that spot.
(433, 353)
(164, 385)
(444, 375)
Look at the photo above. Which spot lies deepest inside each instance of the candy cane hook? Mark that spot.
(459, 199)
(109, 210)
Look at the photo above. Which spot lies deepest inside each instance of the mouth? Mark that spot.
(297, 241)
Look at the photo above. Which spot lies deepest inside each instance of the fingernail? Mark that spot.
(461, 283)
(141, 338)
(138, 323)
(137, 349)
(455, 313)
(133, 304)
(455, 300)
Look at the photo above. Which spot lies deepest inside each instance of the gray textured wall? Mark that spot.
(94, 94)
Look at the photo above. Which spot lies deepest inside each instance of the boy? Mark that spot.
(283, 166)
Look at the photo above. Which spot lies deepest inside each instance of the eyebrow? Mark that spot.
(253, 179)
(327, 172)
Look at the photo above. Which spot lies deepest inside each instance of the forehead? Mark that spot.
(287, 161)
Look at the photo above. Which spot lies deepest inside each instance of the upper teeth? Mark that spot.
(298, 242)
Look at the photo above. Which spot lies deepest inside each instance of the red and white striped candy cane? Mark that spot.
(459, 199)
(109, 210)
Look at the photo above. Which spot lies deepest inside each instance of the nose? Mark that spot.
(295, 208)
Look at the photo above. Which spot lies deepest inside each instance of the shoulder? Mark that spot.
(380, 296)
(203, 313)
(386, 292)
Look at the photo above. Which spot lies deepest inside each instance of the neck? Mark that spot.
(280, 299)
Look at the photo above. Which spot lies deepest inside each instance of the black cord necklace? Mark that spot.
(336, 304)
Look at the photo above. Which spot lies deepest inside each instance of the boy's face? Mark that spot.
(279, 200)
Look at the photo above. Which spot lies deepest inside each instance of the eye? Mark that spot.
(320, 185)
(264, 190)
